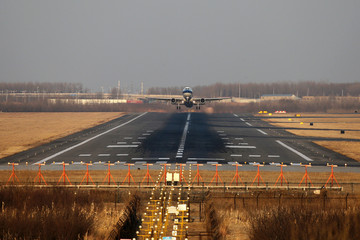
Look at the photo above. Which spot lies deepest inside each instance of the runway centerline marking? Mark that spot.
(179, 153)
(294, 151)
(88, 140)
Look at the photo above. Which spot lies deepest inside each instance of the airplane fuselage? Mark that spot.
(187, 95)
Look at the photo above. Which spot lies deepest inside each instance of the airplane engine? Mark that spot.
(173, 101)
(202, 101)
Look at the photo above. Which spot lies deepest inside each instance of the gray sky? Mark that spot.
(177, 43)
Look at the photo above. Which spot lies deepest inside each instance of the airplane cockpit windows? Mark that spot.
(187, 89)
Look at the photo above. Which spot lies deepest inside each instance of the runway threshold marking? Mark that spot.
(88, 140)
(232, 146)
(294, 151)
(104, 155)
(249, 124)
(207, 159)
(84, 155)
(123, 146)
(180, 151)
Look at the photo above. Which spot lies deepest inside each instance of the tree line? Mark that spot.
(42, 87)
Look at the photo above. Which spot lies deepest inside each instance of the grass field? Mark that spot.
(22, 131)
(332, 122)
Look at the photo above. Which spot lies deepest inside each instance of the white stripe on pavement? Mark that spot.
(88, 140)
(294, 151)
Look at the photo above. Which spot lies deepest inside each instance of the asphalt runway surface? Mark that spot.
(183, 138)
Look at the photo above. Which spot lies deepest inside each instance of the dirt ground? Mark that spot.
(333, 123)
(22, 131)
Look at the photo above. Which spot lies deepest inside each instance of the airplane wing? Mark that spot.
(172, 100)
(204, 100)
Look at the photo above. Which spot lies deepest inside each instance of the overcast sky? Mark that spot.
(178, 43)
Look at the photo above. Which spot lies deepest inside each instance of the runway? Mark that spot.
(184, 138)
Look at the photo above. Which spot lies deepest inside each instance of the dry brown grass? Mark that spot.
(21, 131)
(333, 122)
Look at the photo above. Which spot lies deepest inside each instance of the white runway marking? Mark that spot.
(121, 142)
(136, 142)
(122, 154)
(88, 140)
(150, 158)
(123, 146)
(249, 124)
(232, 146)
(239, 138)
(242, 119)
(224, 138)
(294, 151)
(146, 134)
(141, 138)
(207, 159)
(273, 156)
(180, 151)
(149, 131)
(243, 144)
(84, 155)
(212, 163)
(236, 115)
(104, 155)
(261, 131)
(220, 131)
(222, 134)
(235, 155)
(255, 156)
(128, 138)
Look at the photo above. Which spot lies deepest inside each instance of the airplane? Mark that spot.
(188, 100)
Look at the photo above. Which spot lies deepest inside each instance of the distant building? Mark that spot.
(277, 97)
